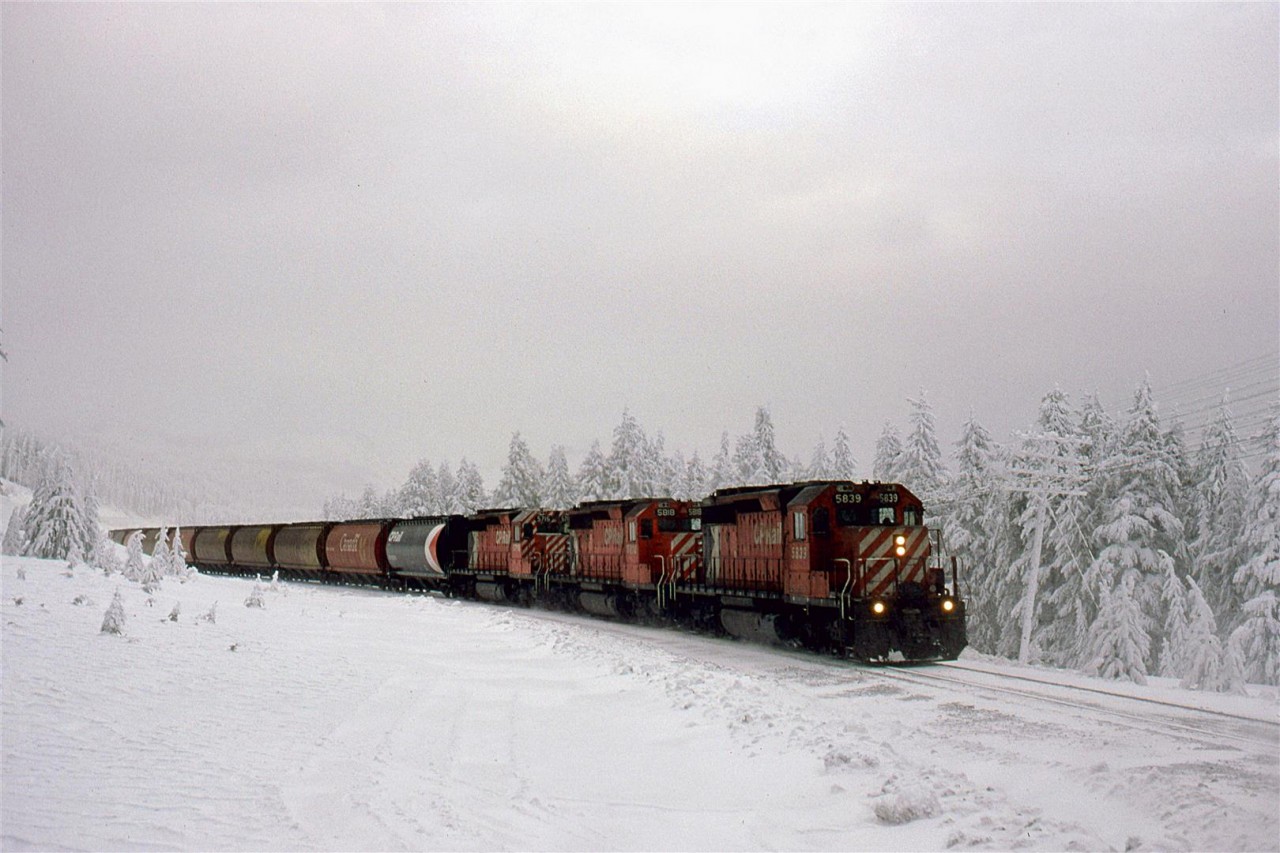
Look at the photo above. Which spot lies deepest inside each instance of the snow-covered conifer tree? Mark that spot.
(843, 466)
(56, 518)
(1118, 643)
(773, 465)
(721, 475)
(888, 455)
(178, 557)
(970, 506)
(104, 554)
(1202, 665)
(160, 566)
(371, 504)
(15, 535)
(626, 464)
(695, 478)
(114, 619)
(133, 563)
(1177, 630)
(1258, 634)
(255, 598)
(420, 495)
(471, 492)
(521, 481)
(1139, 532)
(748, 464)
(819, 462)
(559, 490)
(447, 485)
(919, 466)
(593, 475)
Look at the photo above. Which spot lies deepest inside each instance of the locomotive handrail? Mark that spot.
(848, 582)
(662, 577)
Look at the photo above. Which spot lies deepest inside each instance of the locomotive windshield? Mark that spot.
(672, 524)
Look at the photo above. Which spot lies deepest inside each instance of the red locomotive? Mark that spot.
(832, 565)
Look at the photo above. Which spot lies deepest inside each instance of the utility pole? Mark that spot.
(1057, 479)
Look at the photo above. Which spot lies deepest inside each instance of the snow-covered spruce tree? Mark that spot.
(1118, 643)
(919, 466)
(843, 465)
(654, 477)
(255, 598)
(114, 619)
(160, 565)
(748, 464)
(471, 492)
(1203, 666)
(593, 475)
(774, 466)
(888, 455)
(1257, 637)
(104, 555)
(674, 474)
(1050, 459)
(819, 462)
(626, 465)
(57, 519)
(1177, 630)
(420, 494)
(1139, 533)
(521, 480)
(178, 557)
(695, 478)
(15, 535)
(371, 504)
(339, 508)
(969, 506)
(721, 474)
(447, 485)
(133, 563)
(559, 490)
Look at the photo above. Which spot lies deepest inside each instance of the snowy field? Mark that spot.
(342, 719)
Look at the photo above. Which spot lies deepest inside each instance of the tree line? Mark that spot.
(1087, 541)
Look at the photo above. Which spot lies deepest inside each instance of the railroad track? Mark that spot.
(1235, 727)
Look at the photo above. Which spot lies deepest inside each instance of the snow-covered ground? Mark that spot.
(343, 719)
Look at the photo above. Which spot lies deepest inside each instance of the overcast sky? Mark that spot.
(309, 244)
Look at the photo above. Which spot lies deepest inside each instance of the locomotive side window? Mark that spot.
(646, 528)
(799, 525)
(910, 517)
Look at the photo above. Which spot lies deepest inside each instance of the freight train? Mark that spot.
(838, 566)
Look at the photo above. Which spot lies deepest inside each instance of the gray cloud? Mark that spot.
(280, 233)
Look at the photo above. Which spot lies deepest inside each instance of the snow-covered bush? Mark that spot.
(904, 806)
(211, 616)
(255, 597)
(113, 621)
(173, 614)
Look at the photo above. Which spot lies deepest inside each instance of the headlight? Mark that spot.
(900, 540)
(902, 552)
(948, 605)
(878, 608)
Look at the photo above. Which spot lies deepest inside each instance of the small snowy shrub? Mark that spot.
(255, 597)
(22, 574)
(211, 617)
(173, 614)
(82, 601)
(113, 622)
(905, 806)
